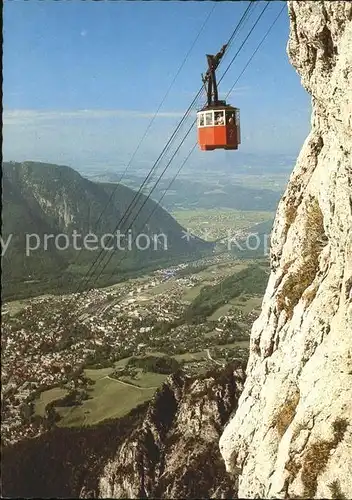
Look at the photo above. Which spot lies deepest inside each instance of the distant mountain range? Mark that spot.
(44, 199)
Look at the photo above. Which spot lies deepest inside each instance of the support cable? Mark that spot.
(195, 145)
(189, 130)
(241, 21)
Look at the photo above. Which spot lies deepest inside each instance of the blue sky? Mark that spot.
(82, 80)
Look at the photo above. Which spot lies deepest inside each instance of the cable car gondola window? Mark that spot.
(230, 118)
(219, 118)
(209, 119)
(201, 120)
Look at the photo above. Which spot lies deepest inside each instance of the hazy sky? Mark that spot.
(82, 79)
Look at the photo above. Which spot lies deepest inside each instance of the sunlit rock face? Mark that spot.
(291, 435)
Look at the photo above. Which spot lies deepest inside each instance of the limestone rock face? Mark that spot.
(291, 436)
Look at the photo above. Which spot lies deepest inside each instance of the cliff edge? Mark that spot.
(291, 436)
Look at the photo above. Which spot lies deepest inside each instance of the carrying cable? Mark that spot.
(244, 41)
(136, 197)
(144, 202)
(139, 192)
(257, 48)
(157, 205)
(150, 124)
(135, 200)
(86, 278)
(228, 94)
(188, 132)
(240, 24)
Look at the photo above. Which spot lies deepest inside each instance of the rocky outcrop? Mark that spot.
(174, 453)
(292, 434)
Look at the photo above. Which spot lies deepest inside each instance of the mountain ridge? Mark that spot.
(48, 199)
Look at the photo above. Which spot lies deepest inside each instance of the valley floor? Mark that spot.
(78, 360)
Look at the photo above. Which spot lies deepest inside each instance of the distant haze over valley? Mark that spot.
(212, 162)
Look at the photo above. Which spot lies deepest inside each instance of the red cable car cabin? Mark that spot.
(218, 123)
(219, 128)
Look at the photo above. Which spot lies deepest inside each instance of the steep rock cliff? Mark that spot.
(174, 453)
(291, 436)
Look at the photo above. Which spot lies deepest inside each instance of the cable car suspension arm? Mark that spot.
(209, 79)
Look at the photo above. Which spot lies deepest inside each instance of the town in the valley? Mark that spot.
(78, 359)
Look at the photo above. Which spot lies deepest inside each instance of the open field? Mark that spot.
(250, 304)
(190, 356)
(277, 182)
(15, 306)
(145, 380)
(109, 399)
(199, 355)
(47, 397)
(113, 398)
(209, 274)
(99, 373)
(211, 224)
(163, 287)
